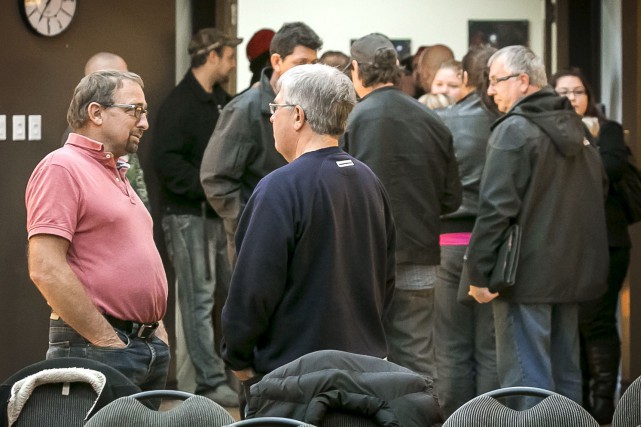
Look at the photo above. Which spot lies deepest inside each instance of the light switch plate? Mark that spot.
(35, 127)
(19, 131)
(3, 127)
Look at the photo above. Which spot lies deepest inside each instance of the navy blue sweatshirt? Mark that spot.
(315, 266)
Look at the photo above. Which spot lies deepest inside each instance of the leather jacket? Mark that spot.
(469, 121)
(542, 173)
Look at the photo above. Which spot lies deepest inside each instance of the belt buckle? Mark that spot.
(145, 330)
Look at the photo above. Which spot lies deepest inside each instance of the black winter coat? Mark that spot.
(410, 149)
(334, 381)
(183, 127)
(542, 173)
(241, 150)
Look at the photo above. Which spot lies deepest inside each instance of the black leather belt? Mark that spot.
(139, 330)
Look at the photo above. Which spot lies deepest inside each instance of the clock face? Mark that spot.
(49, 17)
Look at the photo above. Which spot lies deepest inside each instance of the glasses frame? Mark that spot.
(575, 93)
(274, 107)
(502, 79)
(138, 110)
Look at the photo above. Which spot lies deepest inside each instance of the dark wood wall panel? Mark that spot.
(631, 81)
(37, 76)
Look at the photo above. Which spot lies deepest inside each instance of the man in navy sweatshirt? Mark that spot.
(315, 243)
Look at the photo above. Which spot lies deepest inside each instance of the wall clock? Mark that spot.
(48, 17)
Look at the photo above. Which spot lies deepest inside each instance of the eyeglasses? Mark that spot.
(576, 92)
(502, 79)
(274, 107)
(137, 109)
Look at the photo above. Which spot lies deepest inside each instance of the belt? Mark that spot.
(139, 330)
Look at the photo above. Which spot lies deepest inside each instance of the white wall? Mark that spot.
(183, 35)
(611, 60)
(425, 22)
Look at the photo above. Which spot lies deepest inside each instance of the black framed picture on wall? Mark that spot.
(498, 34)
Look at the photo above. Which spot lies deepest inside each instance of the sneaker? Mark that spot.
(223, 395)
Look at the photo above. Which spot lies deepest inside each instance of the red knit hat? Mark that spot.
(259, 43)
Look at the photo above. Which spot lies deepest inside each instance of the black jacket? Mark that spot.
(410, 149)
(183, 127)
(469, 121)
(542, 173)
(614, 154)
(335, 381)
(241, 151)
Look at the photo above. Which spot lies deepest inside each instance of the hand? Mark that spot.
(110, 342)
(245, 374)
(161, 333)
(482, 295)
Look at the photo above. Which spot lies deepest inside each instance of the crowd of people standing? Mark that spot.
(367, 226)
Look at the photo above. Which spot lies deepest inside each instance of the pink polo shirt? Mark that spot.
(76, 192)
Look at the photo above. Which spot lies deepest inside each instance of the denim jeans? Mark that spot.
(464, 338)
(537, 345)
(144, 362)
(409, 321)
(185, 237)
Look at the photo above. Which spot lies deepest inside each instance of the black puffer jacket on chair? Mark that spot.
(331, 381)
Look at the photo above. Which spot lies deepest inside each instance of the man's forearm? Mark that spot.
(65, 293)
(79, 312)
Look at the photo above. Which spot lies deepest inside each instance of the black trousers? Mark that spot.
(598, 318)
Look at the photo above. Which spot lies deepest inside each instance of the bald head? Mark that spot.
(103, 61)
(431, 60)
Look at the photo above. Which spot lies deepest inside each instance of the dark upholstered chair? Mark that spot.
(337, 419)
(628, 410)
(61, 392)
(270, 422)
(553, 411)
(193, 411)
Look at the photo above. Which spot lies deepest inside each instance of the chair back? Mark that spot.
(338, 419)
(553, 411)
(55, 405)
(628, 410)
(60, 392)
(192, 411)
(269, 422)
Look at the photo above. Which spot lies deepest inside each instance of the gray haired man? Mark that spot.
(543, 174)
(315, 242)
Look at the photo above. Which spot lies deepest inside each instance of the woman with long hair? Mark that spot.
(600, 343)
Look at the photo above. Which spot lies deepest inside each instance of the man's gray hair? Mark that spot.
(520, 59)
(96, 87)
(324, 93)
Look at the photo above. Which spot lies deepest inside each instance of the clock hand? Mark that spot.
(44, 10)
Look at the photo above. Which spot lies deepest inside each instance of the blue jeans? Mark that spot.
(185, 238)
(409, 321)
(537, 345)
(464, 339)
(144, 362)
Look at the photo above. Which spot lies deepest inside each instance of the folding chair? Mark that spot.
(554, 410)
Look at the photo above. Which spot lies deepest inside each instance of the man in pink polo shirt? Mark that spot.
(91, 248)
